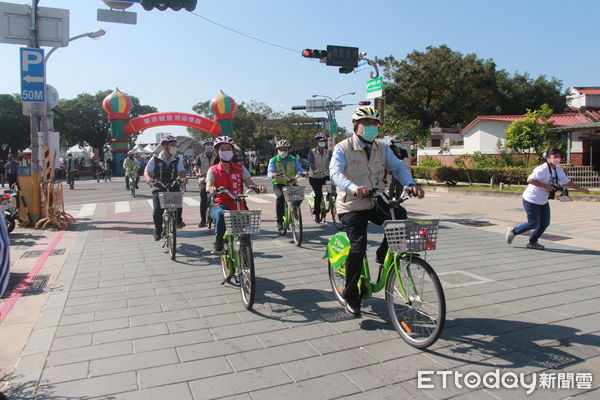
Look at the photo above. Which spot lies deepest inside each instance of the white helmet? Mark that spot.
(366, 113)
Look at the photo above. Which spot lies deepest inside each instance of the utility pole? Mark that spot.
(36, 211)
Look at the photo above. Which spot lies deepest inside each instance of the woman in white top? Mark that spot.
(535, 198)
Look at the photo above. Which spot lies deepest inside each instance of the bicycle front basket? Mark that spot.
(293, 193)
(170, 199)
(242, 221)
(411, 235)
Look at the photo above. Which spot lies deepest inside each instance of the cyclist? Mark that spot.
(395, 187)
(358, 165)
(201, 166)
(282, 164)
(318, 160)
(230, 175)
(164, 168)
(131, 166)
(70, 168)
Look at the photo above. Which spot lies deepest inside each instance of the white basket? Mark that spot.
(411, 235)
(170, 199)
(293, 193)
(242, 221)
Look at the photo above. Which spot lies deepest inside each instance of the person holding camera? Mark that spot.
(543, 183)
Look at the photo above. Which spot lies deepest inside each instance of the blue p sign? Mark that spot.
(33, 87)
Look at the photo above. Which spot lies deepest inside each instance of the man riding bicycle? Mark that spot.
(131, 166)
(357, 167)
(164, 169)
(71, 170)
(282, 169)
(201, 166)
(318, 160)
(230, 176)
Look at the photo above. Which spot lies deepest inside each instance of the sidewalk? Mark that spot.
(122, 321)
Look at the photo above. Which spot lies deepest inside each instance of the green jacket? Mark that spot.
(289, 169)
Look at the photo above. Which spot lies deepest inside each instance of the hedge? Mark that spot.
(451, 175)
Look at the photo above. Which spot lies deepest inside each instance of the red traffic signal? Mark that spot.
(364, 103)
(310, 53)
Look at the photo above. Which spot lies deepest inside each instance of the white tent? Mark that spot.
(150, 147)
(140, 149)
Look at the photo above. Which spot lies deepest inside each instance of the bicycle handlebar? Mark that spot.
(251, 188)
(160, 185)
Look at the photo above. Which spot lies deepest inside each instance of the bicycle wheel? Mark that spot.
(337, 278)
(225, 270)
(246, 273)
(132, 189)
(416, 302)
(172, 238)
(286, 220)
(297, 225)
(312, 210)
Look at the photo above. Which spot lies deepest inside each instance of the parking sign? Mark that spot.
(33, 76)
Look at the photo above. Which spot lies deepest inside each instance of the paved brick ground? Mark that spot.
(122, 321)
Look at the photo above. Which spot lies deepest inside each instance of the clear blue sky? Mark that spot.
(173, 60)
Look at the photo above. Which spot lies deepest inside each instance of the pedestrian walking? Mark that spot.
(543, 184)
(11, 169)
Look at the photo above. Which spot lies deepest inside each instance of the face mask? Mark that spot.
(370, 133)
(226, 155)
(209, 149)
(321, 144)
(555, 161)
(282, 154)
(172, 150)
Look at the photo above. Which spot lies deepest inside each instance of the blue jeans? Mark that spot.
(538, 219)
(216, 213)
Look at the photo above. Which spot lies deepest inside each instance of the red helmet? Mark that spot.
(320, 137)
(223, 139)
(168, 139)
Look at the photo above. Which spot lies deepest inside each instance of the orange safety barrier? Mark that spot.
(54, 207)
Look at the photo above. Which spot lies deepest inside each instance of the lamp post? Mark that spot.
(95, 34)
(330, 110)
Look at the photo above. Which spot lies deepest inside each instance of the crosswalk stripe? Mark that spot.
(151, 203)
(270, 195)
(190, 201)
(122, 206)
(87, 210)
(257, 199)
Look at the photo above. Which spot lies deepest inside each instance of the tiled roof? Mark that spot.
(592, 113)
(558, 119)
(588, 89)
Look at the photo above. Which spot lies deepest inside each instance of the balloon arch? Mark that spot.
(117, 105)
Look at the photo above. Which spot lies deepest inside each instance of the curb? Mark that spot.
(497, 193)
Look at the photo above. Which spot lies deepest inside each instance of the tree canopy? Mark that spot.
(529, 135)
(14, 126)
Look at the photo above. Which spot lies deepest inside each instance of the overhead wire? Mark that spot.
(244, 34)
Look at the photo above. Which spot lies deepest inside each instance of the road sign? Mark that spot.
(342, 56)
(330, 143)
(375, 88)
(360, 67)
(33, 77)
(334, 127)
(15, 25)
(120, 17)
(379, 106)
(317, 105)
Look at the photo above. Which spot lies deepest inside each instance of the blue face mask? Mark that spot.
(370, 133)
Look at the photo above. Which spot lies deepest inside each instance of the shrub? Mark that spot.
(419, 172)
(450, 176)
(430, 162)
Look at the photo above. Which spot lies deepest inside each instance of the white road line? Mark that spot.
(151, 203)
(258, 199)
(122, 206)
(87, 210)
(190, 201)
(272, 195)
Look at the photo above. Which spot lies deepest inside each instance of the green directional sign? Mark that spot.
(374, 88)
(334, 127)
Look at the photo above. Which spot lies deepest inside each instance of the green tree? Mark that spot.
(83, 121)
(519, 92)
(529, 135)
(14, 126)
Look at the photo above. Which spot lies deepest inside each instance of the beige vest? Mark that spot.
(361, 172)
(321, 163)
(205, 164)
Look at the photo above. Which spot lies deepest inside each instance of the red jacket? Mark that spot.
(230, 180)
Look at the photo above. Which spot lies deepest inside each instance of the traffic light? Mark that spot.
(364, 103)
(342, 56)
(175, 5)
(298, 107)
(346, 70)
(309, 53)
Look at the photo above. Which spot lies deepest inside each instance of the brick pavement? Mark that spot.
(122, 321)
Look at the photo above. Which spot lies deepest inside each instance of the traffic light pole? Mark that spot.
(36, 209)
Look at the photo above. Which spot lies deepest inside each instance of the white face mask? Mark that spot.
(226, 155)
(321, 144)
(172, 150)
(555, 161)
(282, 154)
(209, 149)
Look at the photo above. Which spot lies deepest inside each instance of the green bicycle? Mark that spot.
(169, 202)
(413, 292)
(237, 260)
(132, 176)
(327, 206)
(292, 215)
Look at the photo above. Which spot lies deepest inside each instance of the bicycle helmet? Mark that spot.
(366, 113)
(168, 139)
(207, 141)
(283, 143)
(130, 153)
(223, 139)
(320, 137)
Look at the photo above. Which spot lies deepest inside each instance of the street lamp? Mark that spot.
(331, 109)
(95, 34)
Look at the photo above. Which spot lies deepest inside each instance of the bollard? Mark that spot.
(492, 182)
(501, 185)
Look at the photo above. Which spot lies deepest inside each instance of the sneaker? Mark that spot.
(181, 225)
(318, 218)
(279, 226)
(352, 311)
(157, 235)
(510, 235)
(535, 246)
(202, 224)
(218, 248)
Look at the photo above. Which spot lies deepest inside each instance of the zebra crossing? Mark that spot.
(88, 210)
